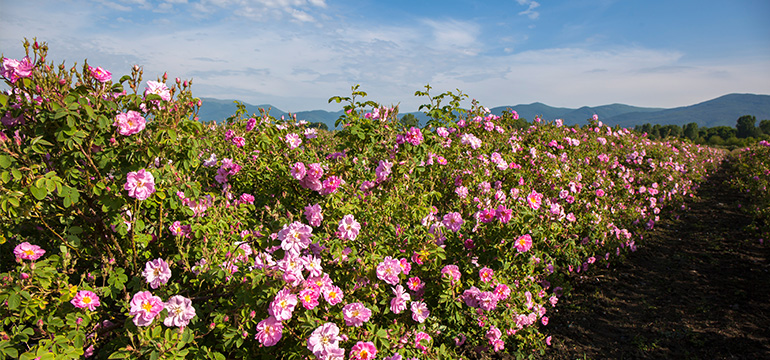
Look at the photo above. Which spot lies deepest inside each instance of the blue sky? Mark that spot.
(295, 54)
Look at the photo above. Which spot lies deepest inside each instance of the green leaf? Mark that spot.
(120, 354)
(38, 192)
(5, 161)
(14, 301)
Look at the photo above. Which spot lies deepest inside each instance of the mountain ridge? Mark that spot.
(720, 111)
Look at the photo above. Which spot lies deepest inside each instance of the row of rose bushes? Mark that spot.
(132, 231)
(750, 168)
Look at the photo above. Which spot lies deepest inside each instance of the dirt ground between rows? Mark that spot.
(697, 288)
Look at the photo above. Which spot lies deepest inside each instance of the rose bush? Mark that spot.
(751, 171)
(168, 238)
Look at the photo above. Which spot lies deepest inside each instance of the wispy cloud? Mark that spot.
(531, 6)
(313, 49)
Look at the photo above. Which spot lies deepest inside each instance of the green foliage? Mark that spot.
(226, 198)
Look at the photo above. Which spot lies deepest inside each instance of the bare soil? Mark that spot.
(698, 287)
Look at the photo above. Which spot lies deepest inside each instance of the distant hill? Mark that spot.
(722, 111)
(218, 110)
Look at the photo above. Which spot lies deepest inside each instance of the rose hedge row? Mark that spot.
(132, 231)
(751, 174)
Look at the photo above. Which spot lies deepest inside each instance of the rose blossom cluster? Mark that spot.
(310, 178)
(145, 307)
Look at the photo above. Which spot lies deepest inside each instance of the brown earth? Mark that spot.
(697, 288)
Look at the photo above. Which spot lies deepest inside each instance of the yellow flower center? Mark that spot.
(147, 306)
(86, 300)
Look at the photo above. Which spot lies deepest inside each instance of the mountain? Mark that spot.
(722, 111)
(571, 116)
(218, 110)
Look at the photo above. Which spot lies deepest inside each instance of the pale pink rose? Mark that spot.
(324, 338)
(349, 228)
(158, 88)
(399, 302)
(355, 314)
(283, 305)
(313, 215)
(156, 272)
(140, 184)
(269, 331)
(419, 311)
(180, 311)
(129, 123)
(145, 307)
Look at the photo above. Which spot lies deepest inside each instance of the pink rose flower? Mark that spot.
(355, 314)
(140, 184)
(363, 351)
(421, 339)
(14, 70)
(156, 272)
(27, 251)
(453, 272)
(349, 228)
(100, 74)
(130, 122)
(523, 243)
(293, 140)
(315, 171)
(283, 305)
(333, 295)
(145, 307)
(180, 311)
(389, 270)
(158, 88)
(295, 237)
(324, 338)
(85, 299)
(298, 171)
(486, 274)
(419, 311)
(399, 302)
(534, 199)
(269, 331)
(313, 215)
(453, 221)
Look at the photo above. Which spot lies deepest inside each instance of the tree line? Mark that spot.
(746, 131)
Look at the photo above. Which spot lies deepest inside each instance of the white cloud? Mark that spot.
(531, 6)
(299, 66)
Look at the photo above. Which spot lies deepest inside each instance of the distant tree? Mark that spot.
(724, 132)
(764, 125)
(318, 125)
(734, 141)
(409, 120)
(655, 132)
(716, 140)
(670, 130)
(746, 126)
(691, 131)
